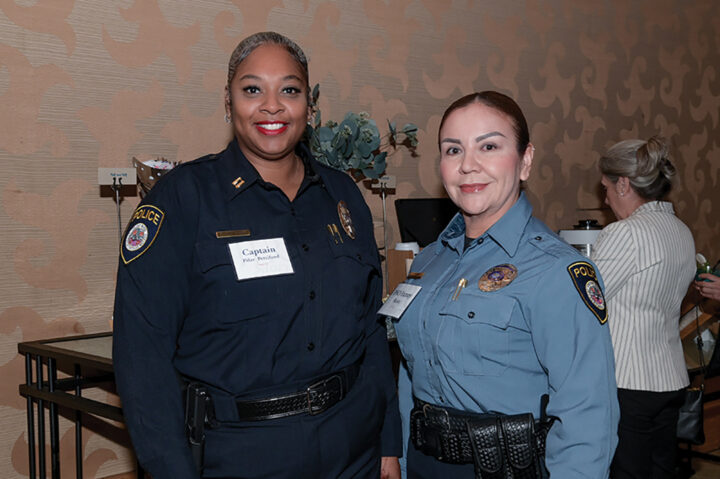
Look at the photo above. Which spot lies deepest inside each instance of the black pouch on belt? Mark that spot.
(505, 447)
(500, 446)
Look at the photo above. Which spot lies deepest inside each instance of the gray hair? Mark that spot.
(644, 163)
(249, 44)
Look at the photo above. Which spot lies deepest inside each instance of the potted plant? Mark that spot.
(355, 144)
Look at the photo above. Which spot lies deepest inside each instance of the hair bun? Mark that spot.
(653, 160)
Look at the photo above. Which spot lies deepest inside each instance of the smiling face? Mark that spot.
(480, 165)
(267, 101)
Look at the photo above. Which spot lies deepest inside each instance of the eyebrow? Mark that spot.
(488, 135)
(477, 140)
(250, 76)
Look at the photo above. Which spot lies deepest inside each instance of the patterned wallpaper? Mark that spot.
(92, 83)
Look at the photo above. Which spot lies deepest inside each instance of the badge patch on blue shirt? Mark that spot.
(586, 282)
(141, 232)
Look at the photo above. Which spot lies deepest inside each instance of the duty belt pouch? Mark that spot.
(505, 447)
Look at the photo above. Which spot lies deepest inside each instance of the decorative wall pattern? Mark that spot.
(92, 83)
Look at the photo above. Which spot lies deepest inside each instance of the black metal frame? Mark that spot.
(44, 391)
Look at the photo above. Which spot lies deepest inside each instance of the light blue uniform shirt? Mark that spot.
(499, 351)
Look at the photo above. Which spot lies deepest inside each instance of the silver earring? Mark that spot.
(227, 118)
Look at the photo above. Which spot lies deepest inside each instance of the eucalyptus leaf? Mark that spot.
(324, 133)
(355, 145)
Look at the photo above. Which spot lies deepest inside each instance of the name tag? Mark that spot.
(399, 300)
(259, 258)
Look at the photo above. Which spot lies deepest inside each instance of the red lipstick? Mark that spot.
(271, 128)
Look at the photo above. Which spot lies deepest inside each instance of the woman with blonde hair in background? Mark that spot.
(647, 259)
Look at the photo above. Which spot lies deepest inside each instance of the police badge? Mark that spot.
(346, 219)
(497, 277)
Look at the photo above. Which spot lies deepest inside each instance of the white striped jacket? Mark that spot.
(647, 262)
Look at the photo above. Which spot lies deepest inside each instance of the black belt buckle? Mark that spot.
(444, 412)
(317, 388)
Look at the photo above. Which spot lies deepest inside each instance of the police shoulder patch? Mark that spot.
(586, 282)
(141, 232)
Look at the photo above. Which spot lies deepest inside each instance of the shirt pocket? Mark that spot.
(347, 278)
(480, 322)
(228, 300)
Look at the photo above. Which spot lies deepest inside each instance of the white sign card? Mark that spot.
(259, 258)
(399, 300)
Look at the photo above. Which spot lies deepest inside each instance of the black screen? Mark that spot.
(423, 219)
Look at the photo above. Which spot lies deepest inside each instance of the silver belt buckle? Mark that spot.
(323, 382)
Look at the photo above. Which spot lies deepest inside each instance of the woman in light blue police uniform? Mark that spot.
(507, 312)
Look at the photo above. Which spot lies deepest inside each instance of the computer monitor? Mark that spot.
(423, 219)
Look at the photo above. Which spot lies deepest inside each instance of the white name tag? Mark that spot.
(258, 258)
(399, 300)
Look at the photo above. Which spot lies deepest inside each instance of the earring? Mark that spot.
(227, 118)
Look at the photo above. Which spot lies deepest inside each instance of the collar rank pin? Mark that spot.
(497, 277)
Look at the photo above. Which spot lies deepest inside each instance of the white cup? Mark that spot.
(409, 246)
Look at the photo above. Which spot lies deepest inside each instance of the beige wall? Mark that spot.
(91, 83)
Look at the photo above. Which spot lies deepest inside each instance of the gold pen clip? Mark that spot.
(461, 284)
(337, 232)
(231, 233)
(332, 233)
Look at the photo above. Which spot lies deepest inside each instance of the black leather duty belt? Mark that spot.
(500, 446)
(317, 397)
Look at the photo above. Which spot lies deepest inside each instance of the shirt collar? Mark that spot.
(506, 232)
(239, 174)
(654, 206)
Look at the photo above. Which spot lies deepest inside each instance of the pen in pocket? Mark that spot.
(461, 284)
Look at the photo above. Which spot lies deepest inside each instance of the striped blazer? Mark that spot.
(647, 262)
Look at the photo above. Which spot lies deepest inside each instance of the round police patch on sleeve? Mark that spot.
(586, 282)
(141, 232)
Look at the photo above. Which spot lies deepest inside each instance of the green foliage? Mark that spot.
(355, 145)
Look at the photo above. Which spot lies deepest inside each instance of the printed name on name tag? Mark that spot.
(259, 258)
(399, 300)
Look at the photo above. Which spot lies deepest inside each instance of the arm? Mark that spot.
(390, 468)
(150, 298)
(377, 355)
(575, 349)
(406, 404)
(614, 253)
(377, 350)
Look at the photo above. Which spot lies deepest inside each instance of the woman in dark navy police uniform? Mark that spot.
(506, 313)
(252, 276)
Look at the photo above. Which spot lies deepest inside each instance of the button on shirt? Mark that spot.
(181, 309)
(499, 351)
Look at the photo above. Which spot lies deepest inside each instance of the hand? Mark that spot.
(711, 288)
(390, 468)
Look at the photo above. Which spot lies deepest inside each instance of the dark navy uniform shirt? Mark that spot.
(180, 310)
(517, 314)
